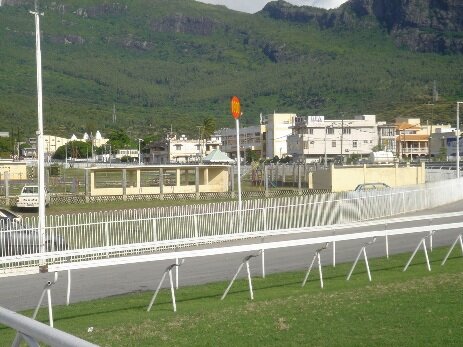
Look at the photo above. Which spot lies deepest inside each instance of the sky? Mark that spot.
(252, 6)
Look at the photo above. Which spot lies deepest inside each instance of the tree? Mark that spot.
(118, 139)
(75, 149)
(251, 156)
(5, 147)
(208, 127)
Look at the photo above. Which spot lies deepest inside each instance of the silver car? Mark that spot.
(16, 237)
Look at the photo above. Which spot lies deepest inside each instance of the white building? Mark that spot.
(268, 139)
(278, 129)
(181, 150)
(52, 143)
(313, 138)
(131, 154)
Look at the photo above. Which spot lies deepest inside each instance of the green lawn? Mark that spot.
(415, 308)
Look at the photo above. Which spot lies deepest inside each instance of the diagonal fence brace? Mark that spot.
(316, 256)
(244, 262)
(168, 270)
(459, 238)
(362, 250)
(421, 243)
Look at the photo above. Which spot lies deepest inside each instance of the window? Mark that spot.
(333, 144)
(346, 131)
(388, 131)
(330, 131)
(311, 131)
(178, 147)
(354, 144)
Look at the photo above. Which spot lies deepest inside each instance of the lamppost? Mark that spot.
(342, 137)
(40, 144)
(429, 147)
(326, 154)
(458, 138)
(139, 151)
(445, 147)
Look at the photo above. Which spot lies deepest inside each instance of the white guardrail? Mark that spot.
(33, 331)
(261, 246)
(109, 236)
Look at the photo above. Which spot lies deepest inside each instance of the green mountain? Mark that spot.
(172, 63)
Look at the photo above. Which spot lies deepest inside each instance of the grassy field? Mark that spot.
(415, 308)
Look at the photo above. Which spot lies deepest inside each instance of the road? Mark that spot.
(23, 292)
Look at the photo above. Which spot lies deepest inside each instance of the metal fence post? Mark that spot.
(106, 231)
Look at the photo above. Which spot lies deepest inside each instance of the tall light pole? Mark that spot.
(40, 145)
(458, 138)
(139, 151)
(429, 148)
(326, 155)
(342, 137)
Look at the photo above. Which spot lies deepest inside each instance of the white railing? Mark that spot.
(107, 234)
(441, 174)
(379, 232)
(33, 331)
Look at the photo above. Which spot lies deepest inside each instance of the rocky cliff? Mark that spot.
(419, 25)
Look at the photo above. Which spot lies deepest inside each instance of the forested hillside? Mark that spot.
(166, 63)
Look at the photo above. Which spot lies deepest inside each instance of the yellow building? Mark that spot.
(157, 179)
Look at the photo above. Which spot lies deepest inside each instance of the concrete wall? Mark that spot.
(16, 170)
(347, 178)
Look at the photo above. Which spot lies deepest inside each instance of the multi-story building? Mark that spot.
(412, 137)
(252, 137)
(268, 138)
(314, 138)
(52, 143)
(387, 136)
(278, 129)
(180, 150)
(443, 145)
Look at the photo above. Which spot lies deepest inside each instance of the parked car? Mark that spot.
(371, 186)
(16, 237)
(29, 197)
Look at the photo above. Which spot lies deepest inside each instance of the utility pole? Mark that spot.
(342, 137)
(458, 138)
(325, 164)
(40, 142)
(200, 128)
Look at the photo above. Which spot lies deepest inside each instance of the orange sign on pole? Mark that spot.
(235, 107)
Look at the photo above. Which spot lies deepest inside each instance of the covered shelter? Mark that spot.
(218, 157)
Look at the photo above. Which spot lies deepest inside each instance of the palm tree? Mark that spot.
(208, 127)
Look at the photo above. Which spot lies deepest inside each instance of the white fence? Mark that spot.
(33, 331)
(440, 174)
(106, 235)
